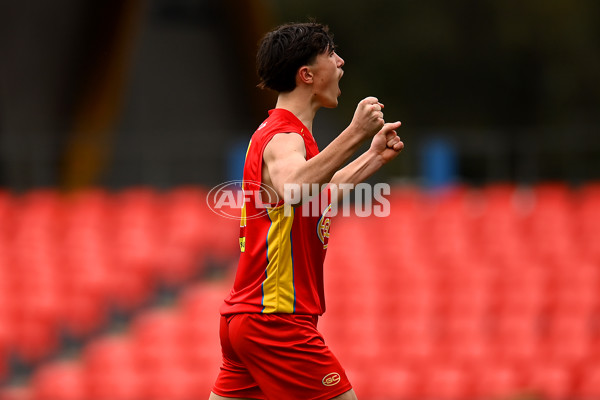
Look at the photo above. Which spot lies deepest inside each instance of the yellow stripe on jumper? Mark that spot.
(278, 286)
(243, 216)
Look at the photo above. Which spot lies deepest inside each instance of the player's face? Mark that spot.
(327, 70)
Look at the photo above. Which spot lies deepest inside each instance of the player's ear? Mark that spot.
(305, 74)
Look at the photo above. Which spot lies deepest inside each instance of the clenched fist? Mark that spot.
(368, 117)
(387, 143)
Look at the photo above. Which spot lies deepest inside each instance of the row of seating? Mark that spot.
(173, 353)
(68, 262)
(462, 294)
(166, 353)
(469, 294)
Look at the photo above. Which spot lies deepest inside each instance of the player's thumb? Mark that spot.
(390, 126)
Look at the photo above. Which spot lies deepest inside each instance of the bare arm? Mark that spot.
(284, 159)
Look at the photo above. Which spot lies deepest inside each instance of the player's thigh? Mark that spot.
(217, 397)
(349, 395)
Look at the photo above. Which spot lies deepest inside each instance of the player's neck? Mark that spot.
(299, 105)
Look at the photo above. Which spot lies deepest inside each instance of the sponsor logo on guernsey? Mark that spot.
(331, 379)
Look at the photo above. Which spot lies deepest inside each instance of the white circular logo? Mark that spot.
(229, 199)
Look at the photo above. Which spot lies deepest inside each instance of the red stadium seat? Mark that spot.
(588, 383)
(550, 381)
(416, 348)
(4, 367)
(139, 224)
(85, 300)
(177, 264)
(120, 383)
(522, 289)
(35, 340)
(574, 289)
(173, 383)
(493, 380)
(201, 301)
(16, 393)
(157, 339)
(199, 305)
(391, 382)
(109, 353)
(446, 382)
(59, 381)
(186, 219)
(129, 290)
(518, 340)
(157, 326)
(569, 348)
(467, 349)
(110, 370)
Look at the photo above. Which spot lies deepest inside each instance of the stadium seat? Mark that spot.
(569, 347)
(109, 353)
(16, 393)
(119, 383)
(516, 340)
(111, 370)
(493, 380)
(392, 381)
(157, 339)
(549, 381)
(199, 306)
(587, 385)
(129, 290)
(86, 303)
(446, 382)
(467, 349)
(138, 224)
(34, 340)
(574, 288)
(59, 381)
(172, 382)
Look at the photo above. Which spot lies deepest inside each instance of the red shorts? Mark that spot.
(275, 357)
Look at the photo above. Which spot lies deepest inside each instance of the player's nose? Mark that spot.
(340, 61)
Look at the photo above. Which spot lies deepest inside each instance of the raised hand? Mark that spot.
(387, 143)
(368, 117)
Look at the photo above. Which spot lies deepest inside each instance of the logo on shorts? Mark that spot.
(332, 379)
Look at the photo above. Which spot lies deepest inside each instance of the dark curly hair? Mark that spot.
(287, 48)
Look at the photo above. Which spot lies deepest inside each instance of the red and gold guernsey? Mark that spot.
(280, 269)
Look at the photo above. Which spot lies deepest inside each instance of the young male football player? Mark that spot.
(269, 338)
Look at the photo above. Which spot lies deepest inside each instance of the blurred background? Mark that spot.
(117, 117)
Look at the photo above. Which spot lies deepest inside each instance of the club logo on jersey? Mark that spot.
(241, 200)
(323, 227)
(331, 379)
